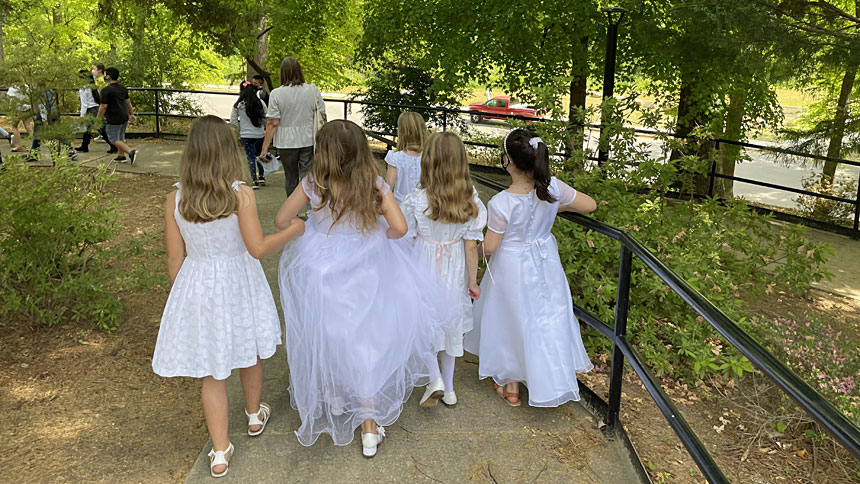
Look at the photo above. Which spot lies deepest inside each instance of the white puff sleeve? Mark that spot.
(497, 220)
(567, 194)
(475, 231)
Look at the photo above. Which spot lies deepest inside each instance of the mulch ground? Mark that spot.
(81, 405)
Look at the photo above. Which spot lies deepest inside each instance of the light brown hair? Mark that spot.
(412, 133)
(210, 164)
(445, 177)
(291, 72)
(345, 175)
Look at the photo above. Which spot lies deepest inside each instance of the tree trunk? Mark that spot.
(256, 65)
(576, 107)
(834, 148)
(730, 154)
(690, 116)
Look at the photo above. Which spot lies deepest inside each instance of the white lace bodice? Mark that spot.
(216, 239)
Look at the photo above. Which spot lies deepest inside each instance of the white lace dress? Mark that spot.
(363, 324)
(408, 173)
(440, 246)
(220, 314)
(525, 329)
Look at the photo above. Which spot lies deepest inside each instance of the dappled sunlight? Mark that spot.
(66, 427)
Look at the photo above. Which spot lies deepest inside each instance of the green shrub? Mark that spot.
(55, 263)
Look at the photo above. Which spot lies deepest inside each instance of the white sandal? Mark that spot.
(254, 419)
(219, 457)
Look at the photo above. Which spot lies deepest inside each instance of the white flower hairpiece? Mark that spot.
(533, 142)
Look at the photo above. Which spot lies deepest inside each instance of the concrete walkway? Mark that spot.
(480, 440)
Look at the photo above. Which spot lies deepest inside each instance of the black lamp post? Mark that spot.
(609, 71)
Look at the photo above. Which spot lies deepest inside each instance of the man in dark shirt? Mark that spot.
(117, 112)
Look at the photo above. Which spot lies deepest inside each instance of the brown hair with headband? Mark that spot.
(530, 158)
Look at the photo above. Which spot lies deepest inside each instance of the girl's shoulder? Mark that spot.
(397, 158)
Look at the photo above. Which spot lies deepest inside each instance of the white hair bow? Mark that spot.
(533, 142)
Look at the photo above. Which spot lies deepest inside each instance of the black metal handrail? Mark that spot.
(811, 401)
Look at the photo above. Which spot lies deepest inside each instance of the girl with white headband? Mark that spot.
(524, 327)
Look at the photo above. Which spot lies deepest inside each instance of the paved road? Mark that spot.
(761, 166)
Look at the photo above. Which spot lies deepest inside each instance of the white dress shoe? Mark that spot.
(450, 399)
(435, 390)
(369, 442)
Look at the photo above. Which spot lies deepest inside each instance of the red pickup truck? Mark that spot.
(498, 107)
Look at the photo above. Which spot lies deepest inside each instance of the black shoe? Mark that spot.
(131, 156)
(112, 151)
(255, 186)
(262, 182)
(120, 159)
(82, 149)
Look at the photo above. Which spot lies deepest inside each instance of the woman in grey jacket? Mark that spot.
(249, 115)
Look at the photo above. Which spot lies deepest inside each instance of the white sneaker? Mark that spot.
(369, 442)
(435, 390)
(450, 399)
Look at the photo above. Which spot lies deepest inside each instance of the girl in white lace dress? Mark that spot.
(447, 219)
(220, 314)
(404, 163)
(525, 330)
(362, 319)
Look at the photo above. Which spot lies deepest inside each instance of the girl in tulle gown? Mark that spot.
(525, 330)
(220, 314)
(363, 322)
(447, 219)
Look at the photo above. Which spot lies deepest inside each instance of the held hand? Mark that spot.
(299, 225)
(474, 291)
(132, 118)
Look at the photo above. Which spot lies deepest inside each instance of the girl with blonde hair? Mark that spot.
(220, 314)
(448, 218)
(363, 323)
(404, 163)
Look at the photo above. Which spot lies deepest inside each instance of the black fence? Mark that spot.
(449, 114)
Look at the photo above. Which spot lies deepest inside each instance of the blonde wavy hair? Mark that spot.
(445, 177)
(412, 133)
(210, 164)
(345, 173)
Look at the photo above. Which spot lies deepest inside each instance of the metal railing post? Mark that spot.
(713, 171)
(609, 74)
(444, 120)
(345, 109)
(622, 302)
(157, 117)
